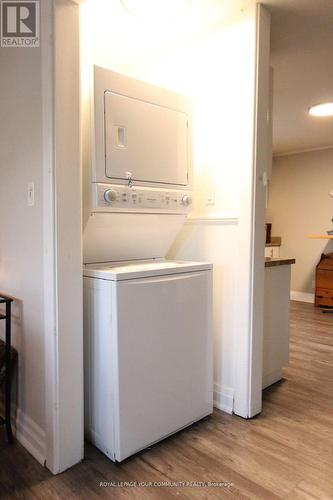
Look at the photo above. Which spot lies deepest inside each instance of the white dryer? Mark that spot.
(148, 352)
(147, 321)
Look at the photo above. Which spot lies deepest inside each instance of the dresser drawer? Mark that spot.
(324, 297)
(324, 279)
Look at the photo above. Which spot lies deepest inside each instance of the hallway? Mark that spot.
(286, 452)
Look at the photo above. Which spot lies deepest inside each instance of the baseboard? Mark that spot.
(224, 398)
(302, 296)
(30, 435)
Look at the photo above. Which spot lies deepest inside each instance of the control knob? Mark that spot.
(186, 200)
(110, 195)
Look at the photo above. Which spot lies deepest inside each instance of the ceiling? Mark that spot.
(141, 40)
(302, 57)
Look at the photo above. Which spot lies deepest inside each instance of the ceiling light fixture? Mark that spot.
(322, 109)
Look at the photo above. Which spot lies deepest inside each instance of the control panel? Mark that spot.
(115, 198)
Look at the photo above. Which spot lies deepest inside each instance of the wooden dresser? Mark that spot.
(324, 281)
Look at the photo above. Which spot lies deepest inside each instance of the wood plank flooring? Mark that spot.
(286, 452)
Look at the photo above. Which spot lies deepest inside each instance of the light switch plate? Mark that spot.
(210, 196)
(31, 194)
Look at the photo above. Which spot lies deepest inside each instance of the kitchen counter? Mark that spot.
(278, 262)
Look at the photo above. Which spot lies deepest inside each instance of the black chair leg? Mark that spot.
(8, 377)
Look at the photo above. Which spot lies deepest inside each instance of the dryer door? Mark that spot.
(148, 140)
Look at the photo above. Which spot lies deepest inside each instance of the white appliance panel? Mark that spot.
(115, 198)
(145, 139)
(126, 236)
(148, 372)
(98, 364)
(118, 271)
(137, 127)
(164, 357)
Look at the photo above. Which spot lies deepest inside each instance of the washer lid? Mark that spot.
(117, 271)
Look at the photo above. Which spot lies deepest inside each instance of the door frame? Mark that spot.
(63, 311)
(262, 144)
(250, 279)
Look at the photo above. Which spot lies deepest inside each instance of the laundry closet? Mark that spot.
(166, 196)
(147, 320)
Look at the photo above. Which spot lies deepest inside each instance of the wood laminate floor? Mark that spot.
(286, 452)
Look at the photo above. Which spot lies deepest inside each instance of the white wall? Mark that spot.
(223, 157)
(217, 69)
(21, 235)
(299, 205)
(215, 240)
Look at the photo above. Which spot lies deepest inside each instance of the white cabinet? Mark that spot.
(276, 322)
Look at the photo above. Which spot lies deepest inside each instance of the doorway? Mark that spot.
(298, 207)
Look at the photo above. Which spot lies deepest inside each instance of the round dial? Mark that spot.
(186, 200)
(110, 195)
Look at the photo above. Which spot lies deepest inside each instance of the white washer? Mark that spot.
(148, 352)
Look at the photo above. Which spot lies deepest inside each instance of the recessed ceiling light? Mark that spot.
(323, 109)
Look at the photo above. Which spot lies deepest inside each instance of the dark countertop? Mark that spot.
(278, 262)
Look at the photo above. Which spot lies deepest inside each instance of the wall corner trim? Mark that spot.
(224, 398)
(31, 436)
(302, 296)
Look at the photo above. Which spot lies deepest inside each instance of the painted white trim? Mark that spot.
(224, 398)
(225, 218)
(31, 436)
(248, 387)
(51, 438)
(68, 337)
(244, 256)
(301, 151)
(63, 440)
(302, 296)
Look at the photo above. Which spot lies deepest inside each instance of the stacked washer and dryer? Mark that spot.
(147, 320)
